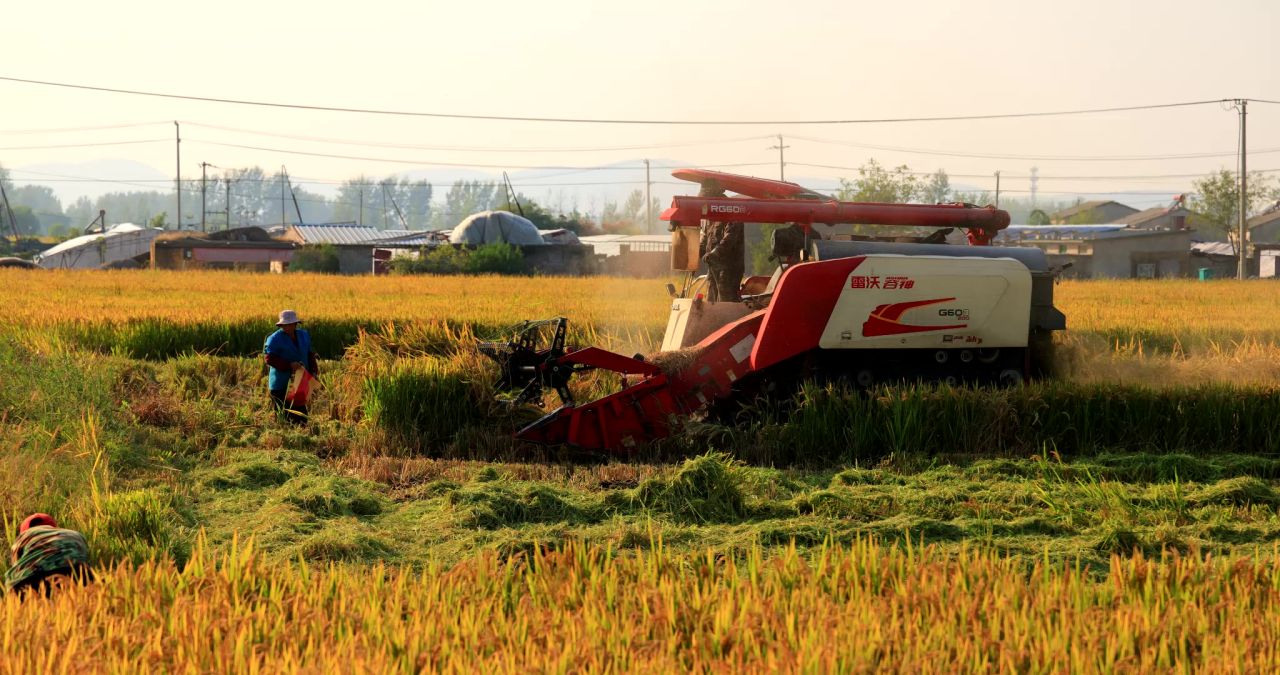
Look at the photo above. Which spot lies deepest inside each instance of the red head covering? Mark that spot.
(36, 520)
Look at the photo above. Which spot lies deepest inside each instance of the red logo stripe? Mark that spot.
(886, 319)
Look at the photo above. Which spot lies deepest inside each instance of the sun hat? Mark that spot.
(37, 520)
(288, 317)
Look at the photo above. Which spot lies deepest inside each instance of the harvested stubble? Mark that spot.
(861, 608)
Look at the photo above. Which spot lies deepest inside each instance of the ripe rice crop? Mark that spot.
(1067, 417)
(847, 609)
(159, 313)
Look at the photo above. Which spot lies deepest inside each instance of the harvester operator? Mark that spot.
(45, 556)
(287, 351)
(722, 247)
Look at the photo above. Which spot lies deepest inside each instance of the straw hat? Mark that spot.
(288, 317)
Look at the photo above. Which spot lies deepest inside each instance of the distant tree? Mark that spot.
(81, 212)
(936, 190)
(878, 184)
(315, 208)
(62, 232)
(980, 198)
(544, 219)
(27, 221)
(412, 198)
(1038, 217)
(415, 200)
(161, 221)
(250, 201)
(1217, 199)
(132, 207)
(627, 218)
(465, 198)
(40, 198)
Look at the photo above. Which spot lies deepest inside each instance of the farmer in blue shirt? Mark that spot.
(287, 351)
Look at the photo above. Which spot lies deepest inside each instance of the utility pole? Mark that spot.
(204, 208)
(284, 178)
(648, 201)
(177, 134)
(782, 164)
(1243, 250)
(1035, 180)
(997, 189)
(13, 222)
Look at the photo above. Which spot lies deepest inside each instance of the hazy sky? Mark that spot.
(659, 59)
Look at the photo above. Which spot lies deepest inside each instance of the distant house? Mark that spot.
(354, 243)
(1219, 257)
(1264, 228)
(633, 255)
(1107, 211)
(1175, 217)
(1107, 251)
(245, 248)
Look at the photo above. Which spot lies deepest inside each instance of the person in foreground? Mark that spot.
(287, 351)
(45, 556)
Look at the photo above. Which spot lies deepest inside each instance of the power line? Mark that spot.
(451, 164)
(84, 145)
(585, 120)
(1027, 176)
(450, 148)
(74, 129)
(1061, 158)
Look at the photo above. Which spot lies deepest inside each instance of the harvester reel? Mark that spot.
(527, 368)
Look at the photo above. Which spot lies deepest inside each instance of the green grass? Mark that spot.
(143, 455)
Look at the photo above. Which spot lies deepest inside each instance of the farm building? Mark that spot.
(354, 243)
(1264, 228)
(245, 248)
(1108, 211)
(1107, 251)
(123, 242)
(633, 255)
(1218, 257)
(1175, 217)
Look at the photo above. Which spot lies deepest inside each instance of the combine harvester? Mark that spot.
(866, 311)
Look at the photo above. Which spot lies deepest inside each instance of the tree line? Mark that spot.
(252, 196)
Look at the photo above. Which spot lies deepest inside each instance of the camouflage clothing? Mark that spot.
(723, 249)
(42, 551)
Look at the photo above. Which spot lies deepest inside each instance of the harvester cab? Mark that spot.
(861, 310)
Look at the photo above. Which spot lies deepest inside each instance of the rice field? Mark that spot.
(1161, 316)
(854, 608)
(1122, 518)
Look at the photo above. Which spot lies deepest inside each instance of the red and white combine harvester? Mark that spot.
(861, 310)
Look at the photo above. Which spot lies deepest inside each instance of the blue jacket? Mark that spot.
(279, 345)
